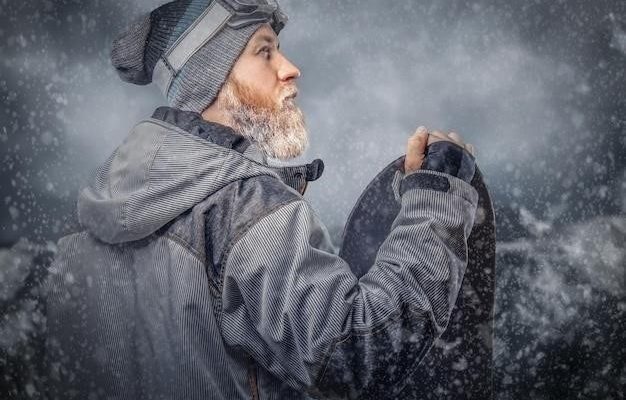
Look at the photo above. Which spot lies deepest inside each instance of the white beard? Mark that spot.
(279, 132)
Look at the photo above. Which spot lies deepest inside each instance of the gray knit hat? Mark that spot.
(188, 47)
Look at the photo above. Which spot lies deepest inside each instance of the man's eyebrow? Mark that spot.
(267, 39)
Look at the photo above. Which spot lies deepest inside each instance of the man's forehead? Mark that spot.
(264, 34)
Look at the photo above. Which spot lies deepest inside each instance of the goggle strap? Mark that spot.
(203, 29)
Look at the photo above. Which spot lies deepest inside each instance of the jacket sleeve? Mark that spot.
(302, 314)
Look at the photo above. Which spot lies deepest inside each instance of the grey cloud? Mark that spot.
(366, 90)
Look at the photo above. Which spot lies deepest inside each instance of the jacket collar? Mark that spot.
(296, 176)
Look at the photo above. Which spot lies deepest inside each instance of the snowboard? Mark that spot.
(460, 363)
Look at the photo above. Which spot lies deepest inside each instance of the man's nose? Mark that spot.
(287, 71)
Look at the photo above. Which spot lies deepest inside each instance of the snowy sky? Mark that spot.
(534, 87)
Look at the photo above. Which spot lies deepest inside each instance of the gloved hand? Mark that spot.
(443, 157)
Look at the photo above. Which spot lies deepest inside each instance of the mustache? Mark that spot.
(290, 92)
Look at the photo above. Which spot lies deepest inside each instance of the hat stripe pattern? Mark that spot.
(195, 37)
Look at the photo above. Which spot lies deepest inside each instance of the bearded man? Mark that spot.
(201, 272)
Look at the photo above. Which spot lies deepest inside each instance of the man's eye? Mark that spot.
(265, 51)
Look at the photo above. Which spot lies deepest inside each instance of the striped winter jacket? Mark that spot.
(202, 273)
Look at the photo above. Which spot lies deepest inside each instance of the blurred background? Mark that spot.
(539, 87)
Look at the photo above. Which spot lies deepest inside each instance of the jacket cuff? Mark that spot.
(432, 180)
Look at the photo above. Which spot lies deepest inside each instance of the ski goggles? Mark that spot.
(247, 12)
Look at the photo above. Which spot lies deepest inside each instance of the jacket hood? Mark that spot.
(168, 164)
